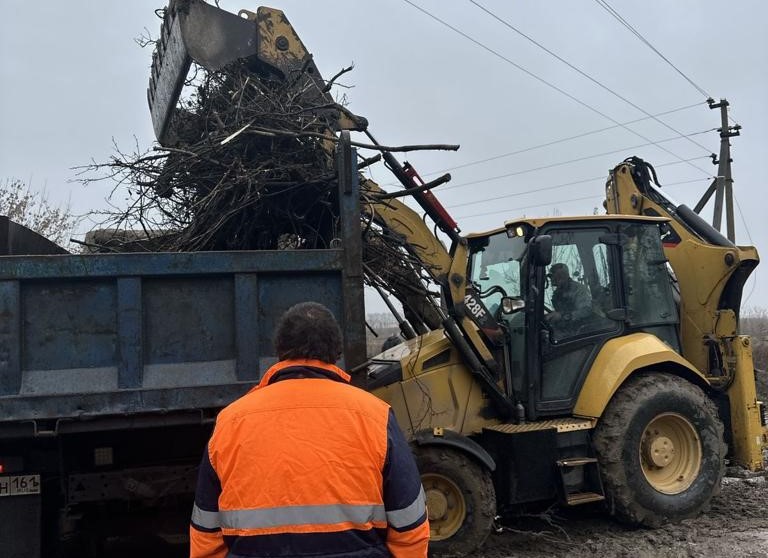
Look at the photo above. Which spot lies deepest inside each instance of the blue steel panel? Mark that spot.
(164, 264)
(188, 319)
(129, 332)
(247, 326)
(128, 312)
(121, 402)
(278, 292)
(69, 324)
(10, 322)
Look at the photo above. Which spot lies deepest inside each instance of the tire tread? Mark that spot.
(612, 431)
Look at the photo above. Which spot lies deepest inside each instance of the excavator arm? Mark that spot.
(422, 254)
(446, 270)
(268, 45)
(710, 271)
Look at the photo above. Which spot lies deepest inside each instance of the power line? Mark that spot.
(577, 160)
(608, 8)
(532, 191)
(554, 187)
(593, 196)
(743, 221)
(580, 71)
(614, 13)
(542, 80)
(681, 182)
(555, 142)
(749, 236)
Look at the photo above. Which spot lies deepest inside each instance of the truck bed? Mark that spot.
(115, 334)
(95, 341)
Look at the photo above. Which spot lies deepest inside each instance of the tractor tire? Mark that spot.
(660, 449)
(461, 501)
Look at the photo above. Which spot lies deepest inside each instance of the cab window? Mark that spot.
(647, 285)
(578, 283)
(495, 268)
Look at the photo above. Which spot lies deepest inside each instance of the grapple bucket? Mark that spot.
(213, 38)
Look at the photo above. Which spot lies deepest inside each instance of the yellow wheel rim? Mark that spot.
(670, 453)
(445, 505)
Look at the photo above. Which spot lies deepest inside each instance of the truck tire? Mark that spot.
(661, 451)
(461, 501)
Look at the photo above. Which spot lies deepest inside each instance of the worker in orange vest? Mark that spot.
(307, 465)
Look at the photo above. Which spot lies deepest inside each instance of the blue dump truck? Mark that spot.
(113, 367)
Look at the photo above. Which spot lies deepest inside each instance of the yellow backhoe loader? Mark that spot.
(577, 359)
(623, 398)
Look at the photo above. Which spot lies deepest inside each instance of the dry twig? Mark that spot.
(253, 168)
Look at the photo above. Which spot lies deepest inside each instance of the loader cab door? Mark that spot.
(577, 295)
(497, 269)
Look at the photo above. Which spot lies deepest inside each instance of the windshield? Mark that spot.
(495, 267)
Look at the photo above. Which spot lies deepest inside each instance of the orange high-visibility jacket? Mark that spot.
(307, 465)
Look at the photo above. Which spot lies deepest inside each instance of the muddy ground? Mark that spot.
(735, 526)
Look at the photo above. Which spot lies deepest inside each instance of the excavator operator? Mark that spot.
(571, 300)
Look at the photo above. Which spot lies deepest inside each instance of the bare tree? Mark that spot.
(31, 209)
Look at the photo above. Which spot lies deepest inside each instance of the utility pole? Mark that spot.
(722, 185)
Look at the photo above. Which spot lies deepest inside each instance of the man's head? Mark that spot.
(308, 330)
(560, 274)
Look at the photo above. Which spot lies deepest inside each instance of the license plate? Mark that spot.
(17, 485)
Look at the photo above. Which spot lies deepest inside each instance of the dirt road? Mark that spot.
(735, 526)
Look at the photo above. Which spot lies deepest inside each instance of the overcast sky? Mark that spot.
(74, 81)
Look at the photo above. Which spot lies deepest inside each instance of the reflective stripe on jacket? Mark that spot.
(305, 464)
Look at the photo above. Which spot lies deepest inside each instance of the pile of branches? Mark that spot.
(389, 266)
(251, 167)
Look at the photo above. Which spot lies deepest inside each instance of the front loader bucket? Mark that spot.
(213, 38)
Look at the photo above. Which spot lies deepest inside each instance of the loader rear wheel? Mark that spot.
(461, 501)
(661, 451)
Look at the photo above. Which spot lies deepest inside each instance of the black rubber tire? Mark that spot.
(476, 486)
(617, 440)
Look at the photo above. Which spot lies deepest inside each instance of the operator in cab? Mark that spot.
(571, 300)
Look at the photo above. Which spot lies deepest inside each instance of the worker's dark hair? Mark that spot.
(308, 330)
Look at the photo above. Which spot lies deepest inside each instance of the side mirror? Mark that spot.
(510, 305)
(541, 250)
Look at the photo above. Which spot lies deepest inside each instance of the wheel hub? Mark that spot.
(437, 504)
(446, 505)
(670, 453)
(659, 450)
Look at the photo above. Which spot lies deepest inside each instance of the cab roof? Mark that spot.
(541, 221)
